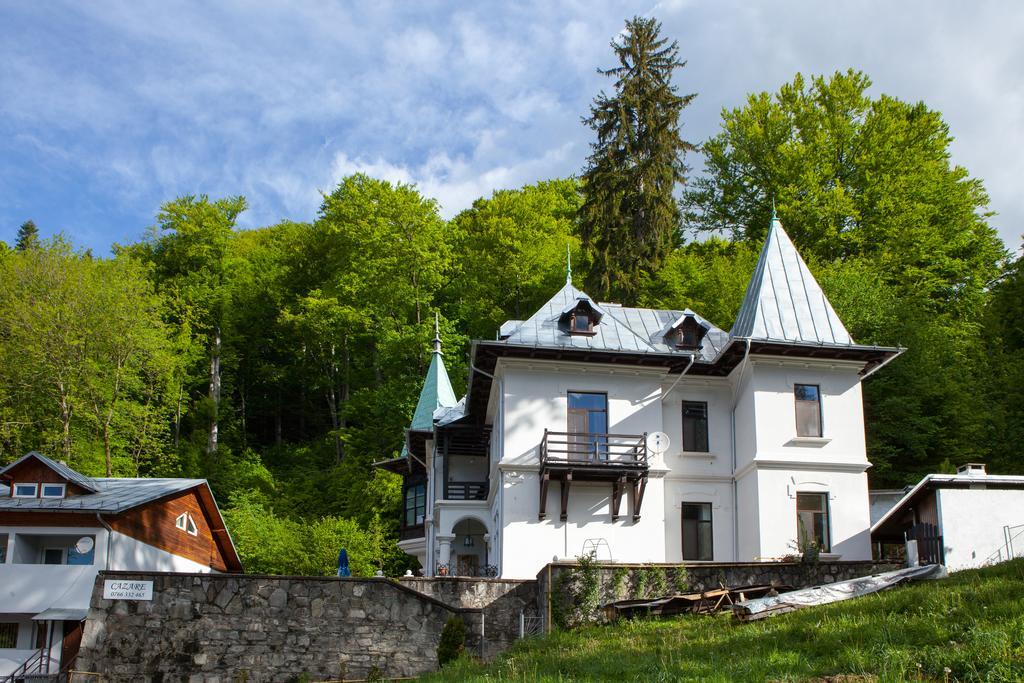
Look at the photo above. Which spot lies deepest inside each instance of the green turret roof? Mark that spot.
(437, 390)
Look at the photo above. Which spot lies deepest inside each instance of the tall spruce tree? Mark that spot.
(629, 219)
(28, 236)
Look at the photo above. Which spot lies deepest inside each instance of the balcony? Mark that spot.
(620, 459)
(466, 490)
(409, 533)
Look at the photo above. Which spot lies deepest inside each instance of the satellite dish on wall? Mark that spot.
(84, 545)
(658, 442)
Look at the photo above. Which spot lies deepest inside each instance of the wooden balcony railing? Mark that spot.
(466, 490)
(597, 450)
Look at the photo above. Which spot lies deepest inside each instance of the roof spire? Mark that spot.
(568, 265)
(775, 216)
(437, 333)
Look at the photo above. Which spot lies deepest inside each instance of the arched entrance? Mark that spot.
(469, 548)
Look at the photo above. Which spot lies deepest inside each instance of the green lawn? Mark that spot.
(969, 627)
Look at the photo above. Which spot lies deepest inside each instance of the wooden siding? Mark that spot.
(154, 524)
(45, 519)
(32, 471)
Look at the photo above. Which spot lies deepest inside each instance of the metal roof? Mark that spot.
(621, 328)
(111, 496)
(946, 481)
(61, 469)
(784, 302)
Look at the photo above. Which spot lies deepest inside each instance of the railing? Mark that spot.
(1013, 545)
(38, 663)
(466, 490)
(407, 533)
(590, 449)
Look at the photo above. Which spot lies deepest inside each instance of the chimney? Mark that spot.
(972, 469)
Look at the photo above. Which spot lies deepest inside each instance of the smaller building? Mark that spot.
(963, 520)
(59, 529)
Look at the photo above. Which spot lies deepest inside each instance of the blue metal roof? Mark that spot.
(621, 328)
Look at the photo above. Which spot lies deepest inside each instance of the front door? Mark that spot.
(588, 426)
(468, 565)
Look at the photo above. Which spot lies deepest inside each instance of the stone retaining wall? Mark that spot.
(221, 628)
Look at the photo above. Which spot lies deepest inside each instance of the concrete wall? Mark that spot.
(208, 627)
(972, 522)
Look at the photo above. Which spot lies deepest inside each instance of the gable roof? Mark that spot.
(109, 496)
(620, 329)
(784, 302)
(60, 469)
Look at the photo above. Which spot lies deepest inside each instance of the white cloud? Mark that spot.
(124, 106)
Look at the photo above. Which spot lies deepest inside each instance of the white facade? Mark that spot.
(28, 587)
(787, 368)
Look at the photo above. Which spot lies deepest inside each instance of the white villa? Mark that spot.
(646, 435)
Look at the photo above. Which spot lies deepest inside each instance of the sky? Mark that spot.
(108, 109)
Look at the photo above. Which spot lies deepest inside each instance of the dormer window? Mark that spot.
(25, 490)
(52, 491)
(581, 316)
(581, 323)
(687, 333)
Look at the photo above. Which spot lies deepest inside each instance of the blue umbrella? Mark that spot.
(343, 569)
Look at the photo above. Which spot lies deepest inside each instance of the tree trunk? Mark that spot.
(177, 419)
(106, 449)
(65, 418)
(211, 446)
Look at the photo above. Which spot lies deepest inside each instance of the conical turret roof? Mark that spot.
(437, 389)
(784, 302)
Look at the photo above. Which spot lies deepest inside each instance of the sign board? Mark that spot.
(127, 590)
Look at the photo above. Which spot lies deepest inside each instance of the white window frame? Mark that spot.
(185, 522)
(44, 486)
(35, 491)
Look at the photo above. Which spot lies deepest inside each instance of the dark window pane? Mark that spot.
(8, 636)
(695, 426)
(582, 321)
(697, 535)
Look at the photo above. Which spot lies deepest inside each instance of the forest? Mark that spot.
(280, 362)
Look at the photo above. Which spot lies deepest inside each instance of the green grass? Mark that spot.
(971, 624)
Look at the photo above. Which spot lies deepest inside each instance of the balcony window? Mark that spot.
(588, 425)
(26, 490)
(808, 410)
(812, 521)
(415, 504)
(697, 536)
(3, 548)
(52, 491)
(695, 426)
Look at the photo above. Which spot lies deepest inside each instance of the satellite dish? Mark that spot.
(84, 545)
(658, 442)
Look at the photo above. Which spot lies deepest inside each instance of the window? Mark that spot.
(26, 490)
(588, 425)
(3, 548)
(53, 556)
(808, 410)
(697, 538)
(8, 636)
(812, 521)
(689, 333)
(186, 524)
(415, 504)
(52, 491)
(581, 323)
(695, 426)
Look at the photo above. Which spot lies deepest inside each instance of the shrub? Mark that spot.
(453, 641)
(618, 582)
(679, 580)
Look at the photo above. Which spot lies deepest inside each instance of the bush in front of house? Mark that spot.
(453, 641)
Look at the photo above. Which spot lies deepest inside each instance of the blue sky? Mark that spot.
(108, 109)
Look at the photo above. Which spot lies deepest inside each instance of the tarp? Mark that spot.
(750, 610)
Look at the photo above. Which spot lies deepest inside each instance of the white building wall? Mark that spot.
(972, 522)
(129, 554)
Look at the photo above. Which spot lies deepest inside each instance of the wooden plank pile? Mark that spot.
(704, 602)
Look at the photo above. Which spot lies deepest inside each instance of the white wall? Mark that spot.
(972, 522)
(128, 554)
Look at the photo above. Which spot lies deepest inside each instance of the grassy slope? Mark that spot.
(972, 623)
